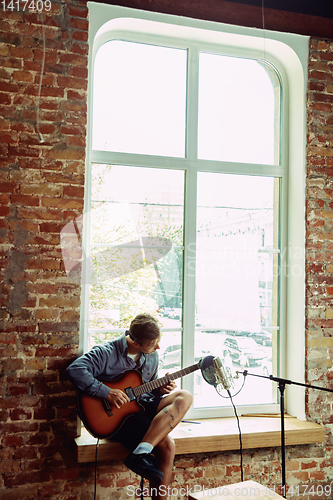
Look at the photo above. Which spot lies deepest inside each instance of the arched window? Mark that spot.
(188, 196)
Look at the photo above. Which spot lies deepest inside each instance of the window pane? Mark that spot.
(139, 99)
(136, 239)
(170, 353)
(238, 110)
(236, 281)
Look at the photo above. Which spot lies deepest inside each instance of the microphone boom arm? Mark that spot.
(282, 382)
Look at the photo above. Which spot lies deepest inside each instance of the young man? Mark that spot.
(140, 433)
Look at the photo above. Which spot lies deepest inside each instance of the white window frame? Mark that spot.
(288, 53)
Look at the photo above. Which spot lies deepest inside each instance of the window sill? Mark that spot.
(216, 434)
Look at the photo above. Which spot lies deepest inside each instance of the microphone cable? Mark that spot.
(240, 436)
(229, 396)
(238, 424)
(95, 486)
(212, 372)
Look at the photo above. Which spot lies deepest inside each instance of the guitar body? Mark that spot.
(104, 421)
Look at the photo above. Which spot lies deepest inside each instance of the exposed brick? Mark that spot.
(12, 440)
(319, 288)
(75, 141)
(63, 203)
(35, 364)
(72, 83)
(19, 199)
(16, 390)
(65, 154)
(74, 95)
(40, 214)
(71, 130)
(309, 465)
(43, 264)
(80, 36)
(22, 76)
(44, 414)
(73, 59)
(9, 187)
(12, 364)
(6, 100)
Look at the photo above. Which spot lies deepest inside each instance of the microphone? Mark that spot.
(225, 379)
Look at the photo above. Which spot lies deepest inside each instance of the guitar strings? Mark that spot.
(154, 384)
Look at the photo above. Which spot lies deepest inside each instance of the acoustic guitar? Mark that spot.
(102, 419)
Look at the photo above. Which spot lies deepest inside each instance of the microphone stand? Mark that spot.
(281, 385)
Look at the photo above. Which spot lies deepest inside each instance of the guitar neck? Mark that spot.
(159, 382)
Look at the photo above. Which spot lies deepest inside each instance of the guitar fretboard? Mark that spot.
(159, 382)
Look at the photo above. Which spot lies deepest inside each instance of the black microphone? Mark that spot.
(225, 379)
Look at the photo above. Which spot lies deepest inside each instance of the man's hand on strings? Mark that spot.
(168, 387)
(117, 398)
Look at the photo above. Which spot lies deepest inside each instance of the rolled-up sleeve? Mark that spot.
(84, 371)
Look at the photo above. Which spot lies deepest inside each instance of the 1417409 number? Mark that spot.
(23, 5)
(304, 489)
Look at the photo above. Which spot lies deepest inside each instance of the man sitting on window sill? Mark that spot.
(164, 409)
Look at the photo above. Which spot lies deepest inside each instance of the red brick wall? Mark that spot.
(319, 295)
(41, 190)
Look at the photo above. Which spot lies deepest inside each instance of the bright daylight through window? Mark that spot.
(185, 207)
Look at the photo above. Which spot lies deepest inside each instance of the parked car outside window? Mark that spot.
(263, 338)
(244, 350)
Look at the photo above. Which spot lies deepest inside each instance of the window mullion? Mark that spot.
(85, 281)
(192, 103)
(189, 273)
(190, 213)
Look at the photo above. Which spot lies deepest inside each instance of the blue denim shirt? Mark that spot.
(107, 362)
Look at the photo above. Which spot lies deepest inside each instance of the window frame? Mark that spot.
(288, 54)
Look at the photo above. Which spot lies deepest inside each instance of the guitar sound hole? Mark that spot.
(107, 407)
(130, 393)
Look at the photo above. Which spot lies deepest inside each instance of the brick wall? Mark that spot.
(41, 191)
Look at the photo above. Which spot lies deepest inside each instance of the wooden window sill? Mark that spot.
(216, 434)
